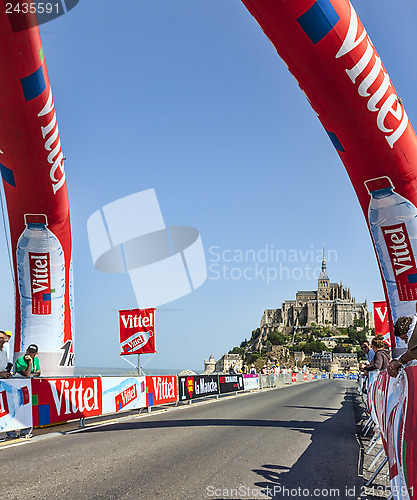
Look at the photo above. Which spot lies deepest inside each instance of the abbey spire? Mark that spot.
(323, 281)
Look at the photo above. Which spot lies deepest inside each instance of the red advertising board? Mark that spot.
(161, 390)
(137, 331)
(125, 397)
(62, 399)
(381, 320)
(293, 377)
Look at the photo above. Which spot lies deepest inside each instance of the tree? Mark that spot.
(362, 336)
(252, 357)
(315, 346)
(326, 332)
(237, 350)
(277, 338)
(360, 354)
(352, 335)
(255, 333)
(359, 323)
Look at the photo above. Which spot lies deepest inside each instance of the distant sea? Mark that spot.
(121, 372)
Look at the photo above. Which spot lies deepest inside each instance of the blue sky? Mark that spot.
(190, 98)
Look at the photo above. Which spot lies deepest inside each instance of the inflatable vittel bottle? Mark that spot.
(34, 182)
(41, 280)
(393, 223)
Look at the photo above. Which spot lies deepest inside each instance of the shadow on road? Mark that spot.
(296, 425)
(312, 407)
(327, 468)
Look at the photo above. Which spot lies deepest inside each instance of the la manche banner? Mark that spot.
(137, 331)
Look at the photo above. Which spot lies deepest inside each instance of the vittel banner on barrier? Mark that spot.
(32, 170)
(391, 402)
(407, 453)
(230, 383)
(329, 53)
(372, 376)
(197, 386)
(61, 399)
(161, 389)
(15, 405)
(123, 393)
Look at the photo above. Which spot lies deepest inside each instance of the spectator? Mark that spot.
(28, 364)
(4, 360)
(232, 369)
(7, 345)
(369, 353)
(382, 355)
(404, 330)
(364, 376)
(252, 370)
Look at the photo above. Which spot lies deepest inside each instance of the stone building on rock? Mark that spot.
(330, 305)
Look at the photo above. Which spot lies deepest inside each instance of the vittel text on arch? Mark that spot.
(53, 146)
(383, 101)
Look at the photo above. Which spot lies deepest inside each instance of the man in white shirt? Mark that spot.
(4, 361)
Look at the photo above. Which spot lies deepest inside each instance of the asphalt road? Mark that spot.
(297, 442)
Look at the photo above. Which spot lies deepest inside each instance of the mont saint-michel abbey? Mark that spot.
(330, 305)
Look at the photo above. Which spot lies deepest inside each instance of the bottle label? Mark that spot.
(402, 260)
(40, 282)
